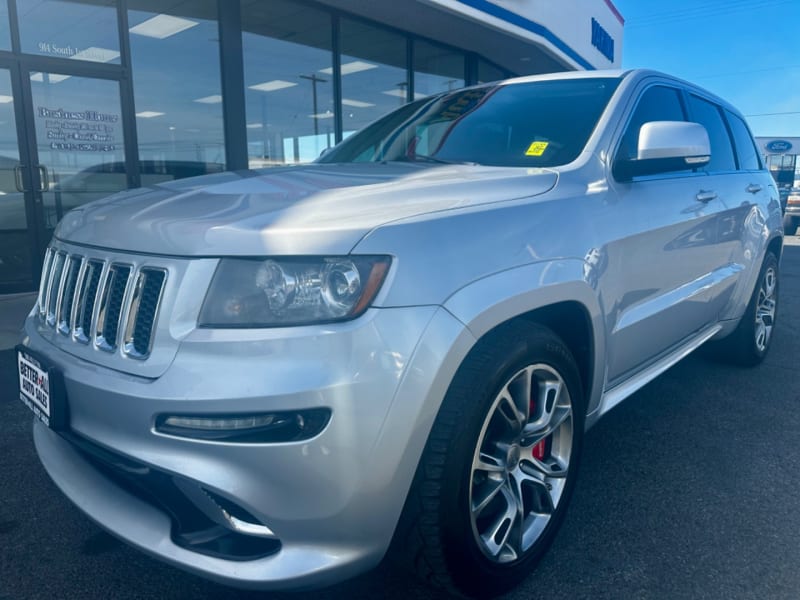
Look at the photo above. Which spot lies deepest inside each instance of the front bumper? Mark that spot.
(332, 501)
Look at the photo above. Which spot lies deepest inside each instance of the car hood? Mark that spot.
(313, 209)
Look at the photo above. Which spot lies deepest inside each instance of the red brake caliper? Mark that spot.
(539, 448)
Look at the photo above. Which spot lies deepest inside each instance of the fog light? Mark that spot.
(265, 428)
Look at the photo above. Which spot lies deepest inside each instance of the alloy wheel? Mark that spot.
(521, 461)
(765, 308)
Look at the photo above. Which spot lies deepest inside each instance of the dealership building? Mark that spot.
(97, 96)
(781, 157)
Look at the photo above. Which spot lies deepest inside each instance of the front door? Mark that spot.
(61, 145)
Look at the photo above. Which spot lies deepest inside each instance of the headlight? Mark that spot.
(277, 292)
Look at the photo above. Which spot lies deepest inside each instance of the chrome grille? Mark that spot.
(104, 303)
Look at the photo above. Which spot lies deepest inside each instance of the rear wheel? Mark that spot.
(500, 464)
(750, 342)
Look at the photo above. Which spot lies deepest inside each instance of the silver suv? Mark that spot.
(276, 378)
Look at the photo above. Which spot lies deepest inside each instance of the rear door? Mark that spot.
(751, 193)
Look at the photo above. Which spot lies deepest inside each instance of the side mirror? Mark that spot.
(664, 147)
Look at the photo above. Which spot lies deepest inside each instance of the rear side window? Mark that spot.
(658, 103)
(746, 151)
(710, 117)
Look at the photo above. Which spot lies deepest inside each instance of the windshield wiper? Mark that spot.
(431, 159)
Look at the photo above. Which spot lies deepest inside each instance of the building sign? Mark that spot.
(602, 40)
(587, 34)
(79, 131)
(779, 146)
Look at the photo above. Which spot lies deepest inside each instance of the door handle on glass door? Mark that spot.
(20, 185)
(44, 180)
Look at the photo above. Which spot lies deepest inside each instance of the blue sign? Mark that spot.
(778, 146)
(602, 40)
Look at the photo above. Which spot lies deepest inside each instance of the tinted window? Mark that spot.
(537, 124)
(746, 151)
(709, 116)
(658, 103)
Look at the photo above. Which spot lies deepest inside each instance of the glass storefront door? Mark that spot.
(79, 143)
(61, 145)
(16, 245)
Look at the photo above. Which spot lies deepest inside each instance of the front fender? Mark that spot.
(484, 304)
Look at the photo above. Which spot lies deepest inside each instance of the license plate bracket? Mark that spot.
(41, 388)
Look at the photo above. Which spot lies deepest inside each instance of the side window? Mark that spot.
(658, 103)
(746, 151)
(710, 117)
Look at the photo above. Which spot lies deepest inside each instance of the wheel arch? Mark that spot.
(775, 246)
(562, 301)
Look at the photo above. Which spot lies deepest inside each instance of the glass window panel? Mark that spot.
(15, 257)
(5, 31)
(746, 150)
(80, 30)
(708, 115)
(374, 73)
(436, 69)
(488, 72)
(79, 140)
(288, 72)
(177, 88)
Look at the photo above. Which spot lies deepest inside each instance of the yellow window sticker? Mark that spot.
(536, 149)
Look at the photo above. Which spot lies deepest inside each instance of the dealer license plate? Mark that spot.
(38, 390)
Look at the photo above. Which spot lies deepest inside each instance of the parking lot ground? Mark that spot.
(689, 489)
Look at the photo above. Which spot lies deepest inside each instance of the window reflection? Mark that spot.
(79, 30)
(487, 72)
(374, 73)
(79, 139)
(5, 31)
(288, 72)
(436, 69)
(177, 88)
(15, 258)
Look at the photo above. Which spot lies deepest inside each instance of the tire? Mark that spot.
(749, 343)
(501, 459)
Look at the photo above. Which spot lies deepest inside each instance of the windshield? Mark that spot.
(535, 124)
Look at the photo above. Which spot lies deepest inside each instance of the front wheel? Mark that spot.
(500, 464)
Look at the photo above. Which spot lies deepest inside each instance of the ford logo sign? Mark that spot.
(777, 146)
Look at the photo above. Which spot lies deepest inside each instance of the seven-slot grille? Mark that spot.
(87, 299)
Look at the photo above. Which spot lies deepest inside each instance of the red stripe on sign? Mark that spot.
(614, 10)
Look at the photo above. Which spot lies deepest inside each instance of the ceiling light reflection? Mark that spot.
(355, 66)
(356, 103)
(215, 99)
(162, 26)
(271, 86)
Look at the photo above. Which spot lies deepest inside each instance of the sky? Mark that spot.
(745, 51)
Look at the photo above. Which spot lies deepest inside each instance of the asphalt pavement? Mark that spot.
(689, 489)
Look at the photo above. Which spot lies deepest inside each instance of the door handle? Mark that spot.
(706, 195)
(754, 188)
(20, 185)
(44, 180)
